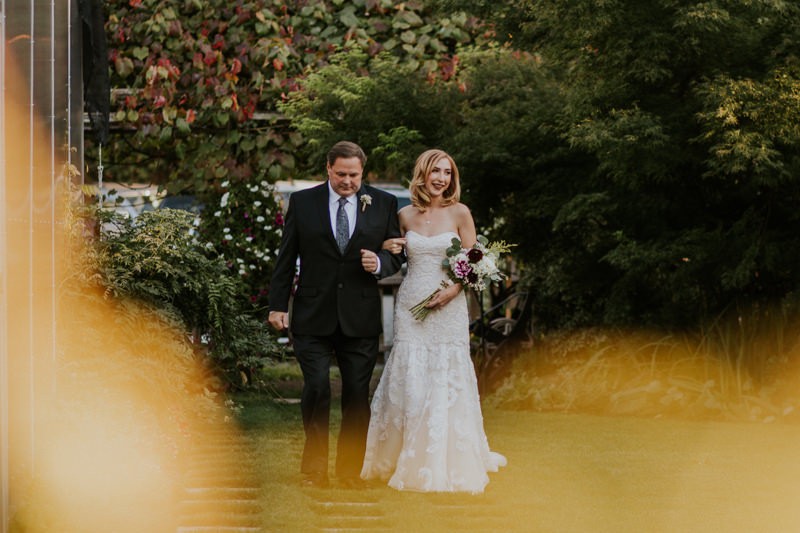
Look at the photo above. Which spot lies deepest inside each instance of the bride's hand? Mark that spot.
(443, 296)
(394, 246)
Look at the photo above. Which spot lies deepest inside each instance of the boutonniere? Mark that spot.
(366, 200)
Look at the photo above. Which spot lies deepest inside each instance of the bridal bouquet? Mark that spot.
(474, 268)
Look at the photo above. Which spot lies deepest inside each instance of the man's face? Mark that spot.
(345, 175)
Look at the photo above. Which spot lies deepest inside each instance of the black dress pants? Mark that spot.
(356, 359)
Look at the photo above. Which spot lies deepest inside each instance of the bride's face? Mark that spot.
(437, 182)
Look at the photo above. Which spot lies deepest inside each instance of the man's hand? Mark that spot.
(279, 320)
(369, 260)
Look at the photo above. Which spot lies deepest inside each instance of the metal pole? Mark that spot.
(31, 236)
(53, 192)
(4, 441)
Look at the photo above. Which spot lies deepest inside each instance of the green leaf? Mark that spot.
(411, 17)
(247, 144)
(408, 37)
(140, 52)
(221, 117)
(182, 125)
(348, 17)
(166, 133)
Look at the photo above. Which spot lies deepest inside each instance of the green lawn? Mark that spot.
(566, 473)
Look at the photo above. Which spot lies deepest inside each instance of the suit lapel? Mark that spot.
(321, 199)
(360, 214)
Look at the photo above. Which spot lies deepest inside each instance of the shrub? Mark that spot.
(242, 223)
(156, 258)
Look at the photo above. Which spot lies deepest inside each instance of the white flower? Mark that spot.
(225, 184)
(224, 200)
(259, 218)
(366, 200)
(257, 203)
(217, 213)
(226, 230)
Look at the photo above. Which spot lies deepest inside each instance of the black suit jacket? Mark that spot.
(332, 287)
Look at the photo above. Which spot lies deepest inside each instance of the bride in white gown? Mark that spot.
(426, 430)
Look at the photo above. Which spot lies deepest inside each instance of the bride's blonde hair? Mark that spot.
(422, 169)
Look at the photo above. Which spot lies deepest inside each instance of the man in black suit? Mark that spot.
(336, 229)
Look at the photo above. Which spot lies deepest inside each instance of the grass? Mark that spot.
(604, 432)
(739, 371)
(567, 472)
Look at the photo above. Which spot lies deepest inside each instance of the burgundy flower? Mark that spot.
(279, 219)
(474, 255)
(472, 277)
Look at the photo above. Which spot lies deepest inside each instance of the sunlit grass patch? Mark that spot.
(566, 473)
(743, 367)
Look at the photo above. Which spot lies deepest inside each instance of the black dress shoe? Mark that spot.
(352, 483)
(315, 480)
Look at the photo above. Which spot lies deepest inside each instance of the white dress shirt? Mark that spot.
(349, 208)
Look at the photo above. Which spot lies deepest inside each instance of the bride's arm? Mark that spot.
(466, 226)
(395, 246)
(468, 237)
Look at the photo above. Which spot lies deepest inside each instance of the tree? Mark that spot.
(681, 180)
(392, 109)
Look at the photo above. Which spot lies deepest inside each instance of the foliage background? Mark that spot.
(636, 154)
(644, 156)
(198, 83)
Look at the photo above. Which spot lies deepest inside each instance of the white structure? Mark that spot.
(41, 139)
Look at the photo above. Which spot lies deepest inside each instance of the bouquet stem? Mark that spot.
(421, 310)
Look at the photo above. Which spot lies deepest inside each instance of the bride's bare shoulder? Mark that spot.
(462, 211)
(406, 213)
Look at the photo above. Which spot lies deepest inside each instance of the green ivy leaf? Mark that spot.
(140, 52)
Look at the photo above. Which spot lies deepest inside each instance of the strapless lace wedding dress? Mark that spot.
(426, 431)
